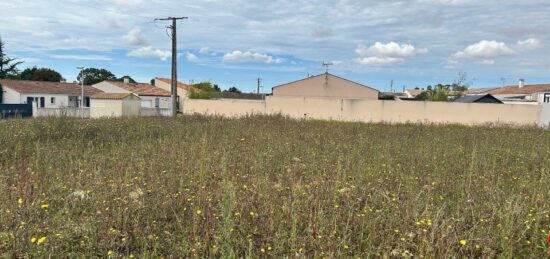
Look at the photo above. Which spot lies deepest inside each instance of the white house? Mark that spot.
(151, 96)
(115, 105)
(182, 88)
(45, 94)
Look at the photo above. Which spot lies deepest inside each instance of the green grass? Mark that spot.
(271, 187)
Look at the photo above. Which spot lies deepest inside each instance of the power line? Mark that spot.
(174, 38)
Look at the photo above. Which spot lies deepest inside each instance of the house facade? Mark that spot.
(326, 86)
(182, 89)
(536, 94)
(45, 94)
(150, 96)
(115, 105)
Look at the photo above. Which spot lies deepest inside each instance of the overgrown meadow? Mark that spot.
(271, 187)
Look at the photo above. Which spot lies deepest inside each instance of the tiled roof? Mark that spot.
(39, 87)
(528, 89)
(480, 90)
(169, 81)
(142, 89)
(111, 96)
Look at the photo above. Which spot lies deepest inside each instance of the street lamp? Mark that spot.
(82, 93)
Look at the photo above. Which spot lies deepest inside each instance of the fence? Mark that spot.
(155, 112)
(15, 110)
(61, 112)
(376, 111)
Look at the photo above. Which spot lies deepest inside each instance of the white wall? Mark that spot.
(149, 102)
(10, 96)
(60, 101)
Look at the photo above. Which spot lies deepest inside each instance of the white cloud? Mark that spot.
(385, 54)
(528, 44)
(204, 50)
(83, 57)
(191, 57)
(135, 37)
(486, 51)
(239, 56)
(149, 52)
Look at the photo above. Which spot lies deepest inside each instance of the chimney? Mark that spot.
(521, 83)
(126, 80)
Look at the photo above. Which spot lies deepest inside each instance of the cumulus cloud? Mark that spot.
(528, 44)
(204, 50)
(149, 52)
(239, 56)
(191, 57)
(486, 51)
(385, 54)
(135, 37)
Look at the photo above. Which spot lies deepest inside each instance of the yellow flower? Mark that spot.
(44, 206)
(41, 240)
(199, 212)
(109, 252)
(263, 250)
(20, 201)
(346, 247)
(463, 242)
(33, 239)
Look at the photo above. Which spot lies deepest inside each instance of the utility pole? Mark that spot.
(259, 85)
(174, 37)
(391, 87)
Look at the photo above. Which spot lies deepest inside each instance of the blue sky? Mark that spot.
(231, 43)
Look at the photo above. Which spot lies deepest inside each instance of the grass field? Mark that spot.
(271, 187)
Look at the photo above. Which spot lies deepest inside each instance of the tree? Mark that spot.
(233, 90)
(461, 83)
(40, 74)
(439, 93)
(8, 66)
(96, 75)
(203, 90)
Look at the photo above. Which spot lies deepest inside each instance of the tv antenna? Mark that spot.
(327, 65)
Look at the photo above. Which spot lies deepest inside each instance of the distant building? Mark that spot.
(45, 94)
(326, 85)
(412, 93)
(151, 96)
(523, 94)
(478, 98)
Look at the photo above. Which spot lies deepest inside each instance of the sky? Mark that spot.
(413, 43)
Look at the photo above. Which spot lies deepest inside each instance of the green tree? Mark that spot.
(439, 93)
(8, 66)
(233, 90)
(96, 75)
(40, 74)
(203, 90)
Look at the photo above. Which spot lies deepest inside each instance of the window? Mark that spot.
(157, 102)
(546, 98)
(52, 100)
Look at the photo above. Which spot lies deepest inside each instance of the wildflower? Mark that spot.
(109, 253)
(44, 206)
(252, 214)
(41, 240)
(20, 201)
(33, 239)
(199, 212)
(548, 239)
(263, 250)
(346, 247)
(463, 242)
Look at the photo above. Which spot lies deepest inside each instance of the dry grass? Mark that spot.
(271, 187)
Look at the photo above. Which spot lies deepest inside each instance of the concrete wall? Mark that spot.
(155, 112)
(149, 102)
(326, 85)
(61, 112)
(544, 117)
(374, 111)
(114, 108)
(182, 93)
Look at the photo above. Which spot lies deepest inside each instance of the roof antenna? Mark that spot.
(327, 65)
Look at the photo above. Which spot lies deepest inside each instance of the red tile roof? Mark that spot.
(111, 96)
(169, 81)
(528, 89)
(39, 87)
(142, 89)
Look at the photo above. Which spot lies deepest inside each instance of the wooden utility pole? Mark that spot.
(174, 37)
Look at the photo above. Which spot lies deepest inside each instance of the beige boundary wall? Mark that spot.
(375, 111)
